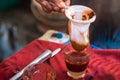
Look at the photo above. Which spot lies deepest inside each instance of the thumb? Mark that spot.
(59, 3)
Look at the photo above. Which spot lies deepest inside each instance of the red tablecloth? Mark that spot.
(107, 62)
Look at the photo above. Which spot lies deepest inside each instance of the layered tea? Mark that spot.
(75, 64)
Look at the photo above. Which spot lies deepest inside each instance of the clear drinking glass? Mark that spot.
(77, 54)
(80, 17)
(76, 61)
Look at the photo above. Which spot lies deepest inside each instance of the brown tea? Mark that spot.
(74, 65)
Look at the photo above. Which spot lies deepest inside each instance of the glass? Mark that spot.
(39, 71)
(80, 17)
(76, 61)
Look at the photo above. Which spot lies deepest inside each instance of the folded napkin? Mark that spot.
(107, 62)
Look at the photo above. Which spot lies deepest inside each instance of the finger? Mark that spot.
(59, 3)
(56, 8)
(46, 10)
(62, 10)
(40, 1)
(67, 2)
(45, 5)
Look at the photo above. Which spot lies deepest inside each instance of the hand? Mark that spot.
(54, 5)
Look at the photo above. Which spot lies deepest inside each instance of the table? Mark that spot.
(107, 62)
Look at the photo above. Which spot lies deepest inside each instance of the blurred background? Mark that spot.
(22, 21)
(17, 26)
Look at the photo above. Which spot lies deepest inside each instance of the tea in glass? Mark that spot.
(76, 61)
